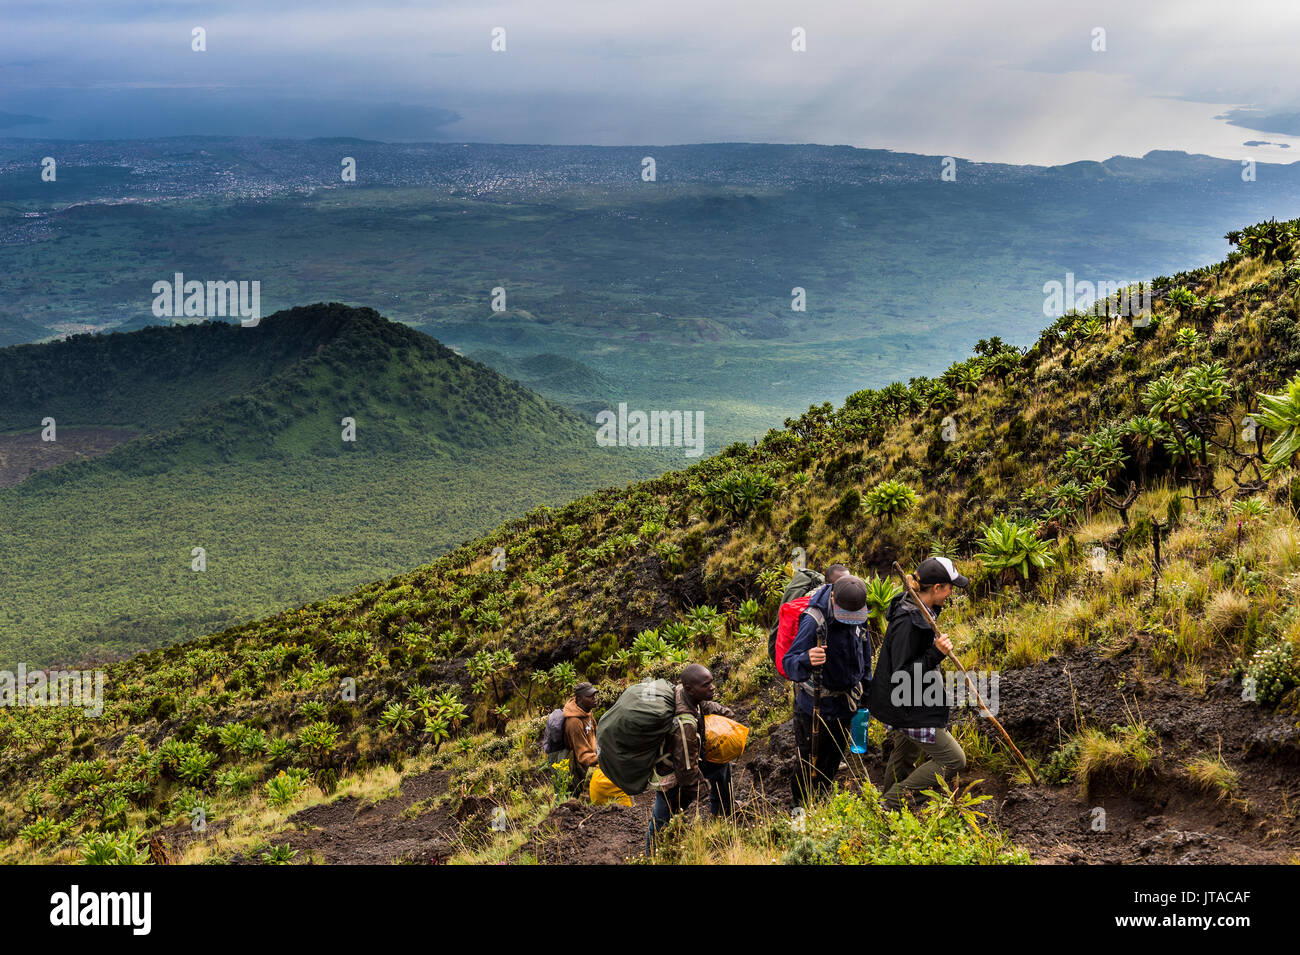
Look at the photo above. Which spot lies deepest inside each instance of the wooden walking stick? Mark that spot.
(817, 708)
(916, 599)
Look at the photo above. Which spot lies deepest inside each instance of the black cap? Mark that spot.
(939, 570)
(850, 595)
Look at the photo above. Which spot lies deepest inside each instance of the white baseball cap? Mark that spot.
(939, 570)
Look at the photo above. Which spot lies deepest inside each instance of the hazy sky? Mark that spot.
(999, 80)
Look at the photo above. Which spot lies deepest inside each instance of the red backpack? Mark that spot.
(787, 626)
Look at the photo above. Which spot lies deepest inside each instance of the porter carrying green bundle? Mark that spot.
(630, 736)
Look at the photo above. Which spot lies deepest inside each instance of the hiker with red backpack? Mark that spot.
(829, 660)
(802, 583)
(918, 724)
(571, 734)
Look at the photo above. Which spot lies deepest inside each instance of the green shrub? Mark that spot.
(284, 787)
(279, 855)
(195, 767)
(44, 831)
(232, 736)
(740, 492)
(889, 499)
(112, 814)
(800, 529)
(112, 848)
(398, 718)
(279, 751)
(1272, 671)
(185, 804)
(945, 831)
(312, 710)
(846, 508)
(599, 649)
(1063, 763)
(234, 780)
(318, 739)
(1281, 414)
(1009, 546)
(881, 592)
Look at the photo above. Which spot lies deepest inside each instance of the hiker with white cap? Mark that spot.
(830, 663)
(908, 693)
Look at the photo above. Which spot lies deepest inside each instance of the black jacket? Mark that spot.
(908, 691)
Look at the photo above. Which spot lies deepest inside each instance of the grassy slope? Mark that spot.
(582, 581)
(243, 456)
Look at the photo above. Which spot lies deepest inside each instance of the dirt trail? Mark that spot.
(578, 833)
(348, 831)
(1163, 819)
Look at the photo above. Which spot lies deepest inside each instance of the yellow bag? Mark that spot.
(724, 739)
(603, 791)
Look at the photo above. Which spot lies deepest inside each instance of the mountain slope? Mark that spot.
(280, 374)
(244, 454)
(1120, 673)
(152, 378)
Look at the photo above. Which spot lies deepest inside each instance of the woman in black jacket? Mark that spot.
(907, 694)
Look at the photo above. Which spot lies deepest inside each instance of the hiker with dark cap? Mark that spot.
(682, 766)
(834, 644)
(908, 693)
(803, 581)
(580, 734)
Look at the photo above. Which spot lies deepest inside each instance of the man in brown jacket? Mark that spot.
(580, 734)
(682, 767)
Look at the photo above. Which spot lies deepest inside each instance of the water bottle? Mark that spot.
(858, 732)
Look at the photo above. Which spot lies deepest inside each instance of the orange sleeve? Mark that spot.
(581, 746)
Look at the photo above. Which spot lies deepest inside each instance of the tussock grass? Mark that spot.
(697, 839)
(754, 673)
(983, 750)
(1280, 552)
(1101, 526)
(1125, 753)
(1226, 612)
(1212, 774)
